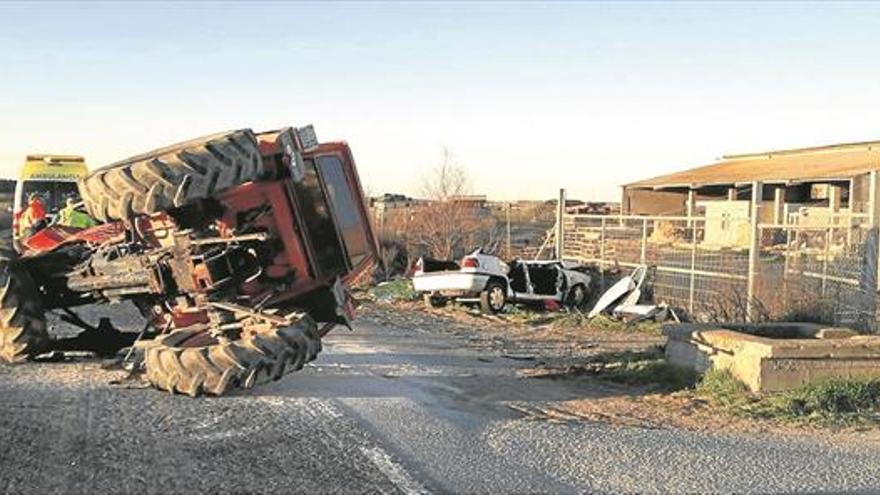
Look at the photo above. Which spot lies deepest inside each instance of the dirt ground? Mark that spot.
(535, 336)
(427, 403)
(551, 352)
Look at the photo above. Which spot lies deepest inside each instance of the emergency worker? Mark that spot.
(33, 218)
(69, 216)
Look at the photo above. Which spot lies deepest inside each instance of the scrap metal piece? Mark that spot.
(622, 289)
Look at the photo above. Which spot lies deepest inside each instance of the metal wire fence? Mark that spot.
(818, 273)
(822, 273)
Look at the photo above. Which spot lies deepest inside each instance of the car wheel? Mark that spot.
(577, 296)
(432, 301)
(493, 298)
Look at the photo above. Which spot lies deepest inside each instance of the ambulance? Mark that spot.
(53, 178)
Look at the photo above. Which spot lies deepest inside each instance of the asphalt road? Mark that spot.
(381, 410)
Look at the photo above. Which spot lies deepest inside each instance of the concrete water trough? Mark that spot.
(772, 357)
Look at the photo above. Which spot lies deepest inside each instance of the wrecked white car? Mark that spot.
(485, 279)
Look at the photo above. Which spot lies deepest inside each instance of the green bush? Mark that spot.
(394, 290)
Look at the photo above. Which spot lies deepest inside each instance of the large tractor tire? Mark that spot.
(23, 331)
(172, 177)
(192, 362)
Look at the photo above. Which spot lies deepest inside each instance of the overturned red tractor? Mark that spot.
(236, 247)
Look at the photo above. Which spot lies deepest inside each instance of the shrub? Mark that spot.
(835, 397)
(395, 290)
(835, 401)
(721, 386)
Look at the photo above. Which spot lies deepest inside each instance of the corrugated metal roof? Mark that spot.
(838, 161)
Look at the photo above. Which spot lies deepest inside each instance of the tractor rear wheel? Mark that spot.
(23, 331)
(171, 177)
(193, 362)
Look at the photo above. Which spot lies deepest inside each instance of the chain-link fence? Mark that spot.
(701, 266)
(823, 273)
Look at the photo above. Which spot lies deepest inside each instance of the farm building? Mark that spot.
(837, 183)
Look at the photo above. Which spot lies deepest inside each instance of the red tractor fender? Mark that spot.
(50, 238)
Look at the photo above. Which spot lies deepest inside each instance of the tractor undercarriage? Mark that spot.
(233, 247)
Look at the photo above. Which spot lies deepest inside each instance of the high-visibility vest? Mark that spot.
(70, 217)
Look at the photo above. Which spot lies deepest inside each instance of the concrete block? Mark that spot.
(774, 357)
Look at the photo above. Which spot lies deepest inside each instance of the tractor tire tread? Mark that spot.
(221, 367)
(23, 332)
(171, 177)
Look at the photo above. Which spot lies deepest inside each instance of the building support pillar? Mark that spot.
(691, 206)
(834, 194)
(779, 205)
(731, 194)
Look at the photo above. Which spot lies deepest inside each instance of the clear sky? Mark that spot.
(529, 97)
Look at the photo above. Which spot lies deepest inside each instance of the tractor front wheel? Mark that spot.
(194, 362)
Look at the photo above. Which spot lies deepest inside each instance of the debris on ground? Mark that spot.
(622, 300)
(519, 357)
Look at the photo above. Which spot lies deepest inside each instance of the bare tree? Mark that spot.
(446, 181)
(448, 222)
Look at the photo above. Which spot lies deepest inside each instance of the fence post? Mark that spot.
(754, 250)
(869, 273)
(560, 229)
(829, 234)
(873, 220)
(693, 268)
(643, 255)
(786, 262)
(509, 254)
(602, 256)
